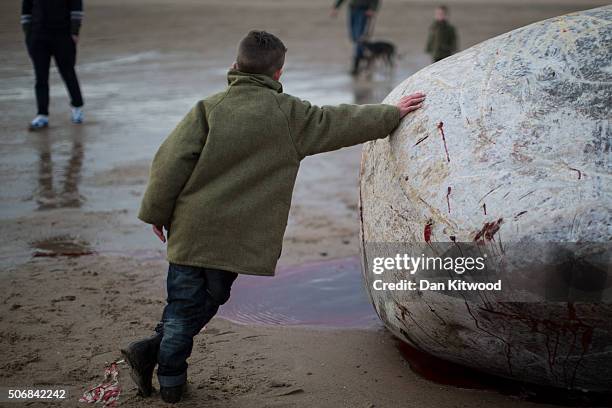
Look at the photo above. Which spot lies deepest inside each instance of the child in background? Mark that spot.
(442, 40)
(221, 186)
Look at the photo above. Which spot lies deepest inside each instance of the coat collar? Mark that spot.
(237, 78)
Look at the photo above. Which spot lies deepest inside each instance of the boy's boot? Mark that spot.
(172, 395)
(141, 356)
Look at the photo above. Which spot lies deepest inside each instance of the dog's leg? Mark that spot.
(370, 67)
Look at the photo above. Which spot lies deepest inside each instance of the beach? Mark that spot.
(82, 276)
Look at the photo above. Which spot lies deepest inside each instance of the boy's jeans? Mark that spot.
(194, 296)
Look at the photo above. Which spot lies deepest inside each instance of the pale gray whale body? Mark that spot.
(511, 155)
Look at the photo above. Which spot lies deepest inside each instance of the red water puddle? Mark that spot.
(322, 293)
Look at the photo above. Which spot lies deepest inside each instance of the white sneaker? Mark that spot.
(39, 122)
(77, 115)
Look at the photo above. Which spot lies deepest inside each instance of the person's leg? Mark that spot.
(194, 297)
(357, 24)
(211, 289)
(218, 289)
(361, 23)
(352, 24)
(353, 19)
(181, 321)
(40, 53)
(64, 53)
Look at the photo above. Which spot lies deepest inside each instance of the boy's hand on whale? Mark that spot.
(159, 231)
(410, 103)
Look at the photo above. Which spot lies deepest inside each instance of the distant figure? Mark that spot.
(51, 29)
(361, 13)
(442, 40)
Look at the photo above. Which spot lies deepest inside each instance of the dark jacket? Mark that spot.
(224, 177)
(442, 40)
(52, 16)
(361, 4)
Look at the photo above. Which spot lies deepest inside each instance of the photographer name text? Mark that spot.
(424, 284)
(408, 266)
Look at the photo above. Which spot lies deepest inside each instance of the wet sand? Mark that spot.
(82, 276)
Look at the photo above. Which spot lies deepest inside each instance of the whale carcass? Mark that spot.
(510, 155)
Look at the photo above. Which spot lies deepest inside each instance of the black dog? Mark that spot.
(378, 51)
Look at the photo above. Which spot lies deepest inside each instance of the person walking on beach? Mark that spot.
(221, 187)
(361, 15)
(442, 39)
(51, 29)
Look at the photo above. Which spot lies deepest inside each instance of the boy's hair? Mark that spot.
(260, 53)
(443, 8)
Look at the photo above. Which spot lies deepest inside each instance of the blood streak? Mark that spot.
(441, 129)
(448, 192)
(427, 231)
(488, 230)
(484, 208)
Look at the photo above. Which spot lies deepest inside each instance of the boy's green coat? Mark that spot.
(222, 181)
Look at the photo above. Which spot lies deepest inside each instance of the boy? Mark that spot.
(442, 40)
(221, 186)
(51, 29)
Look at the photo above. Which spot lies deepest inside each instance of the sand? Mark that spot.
(75, 191)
